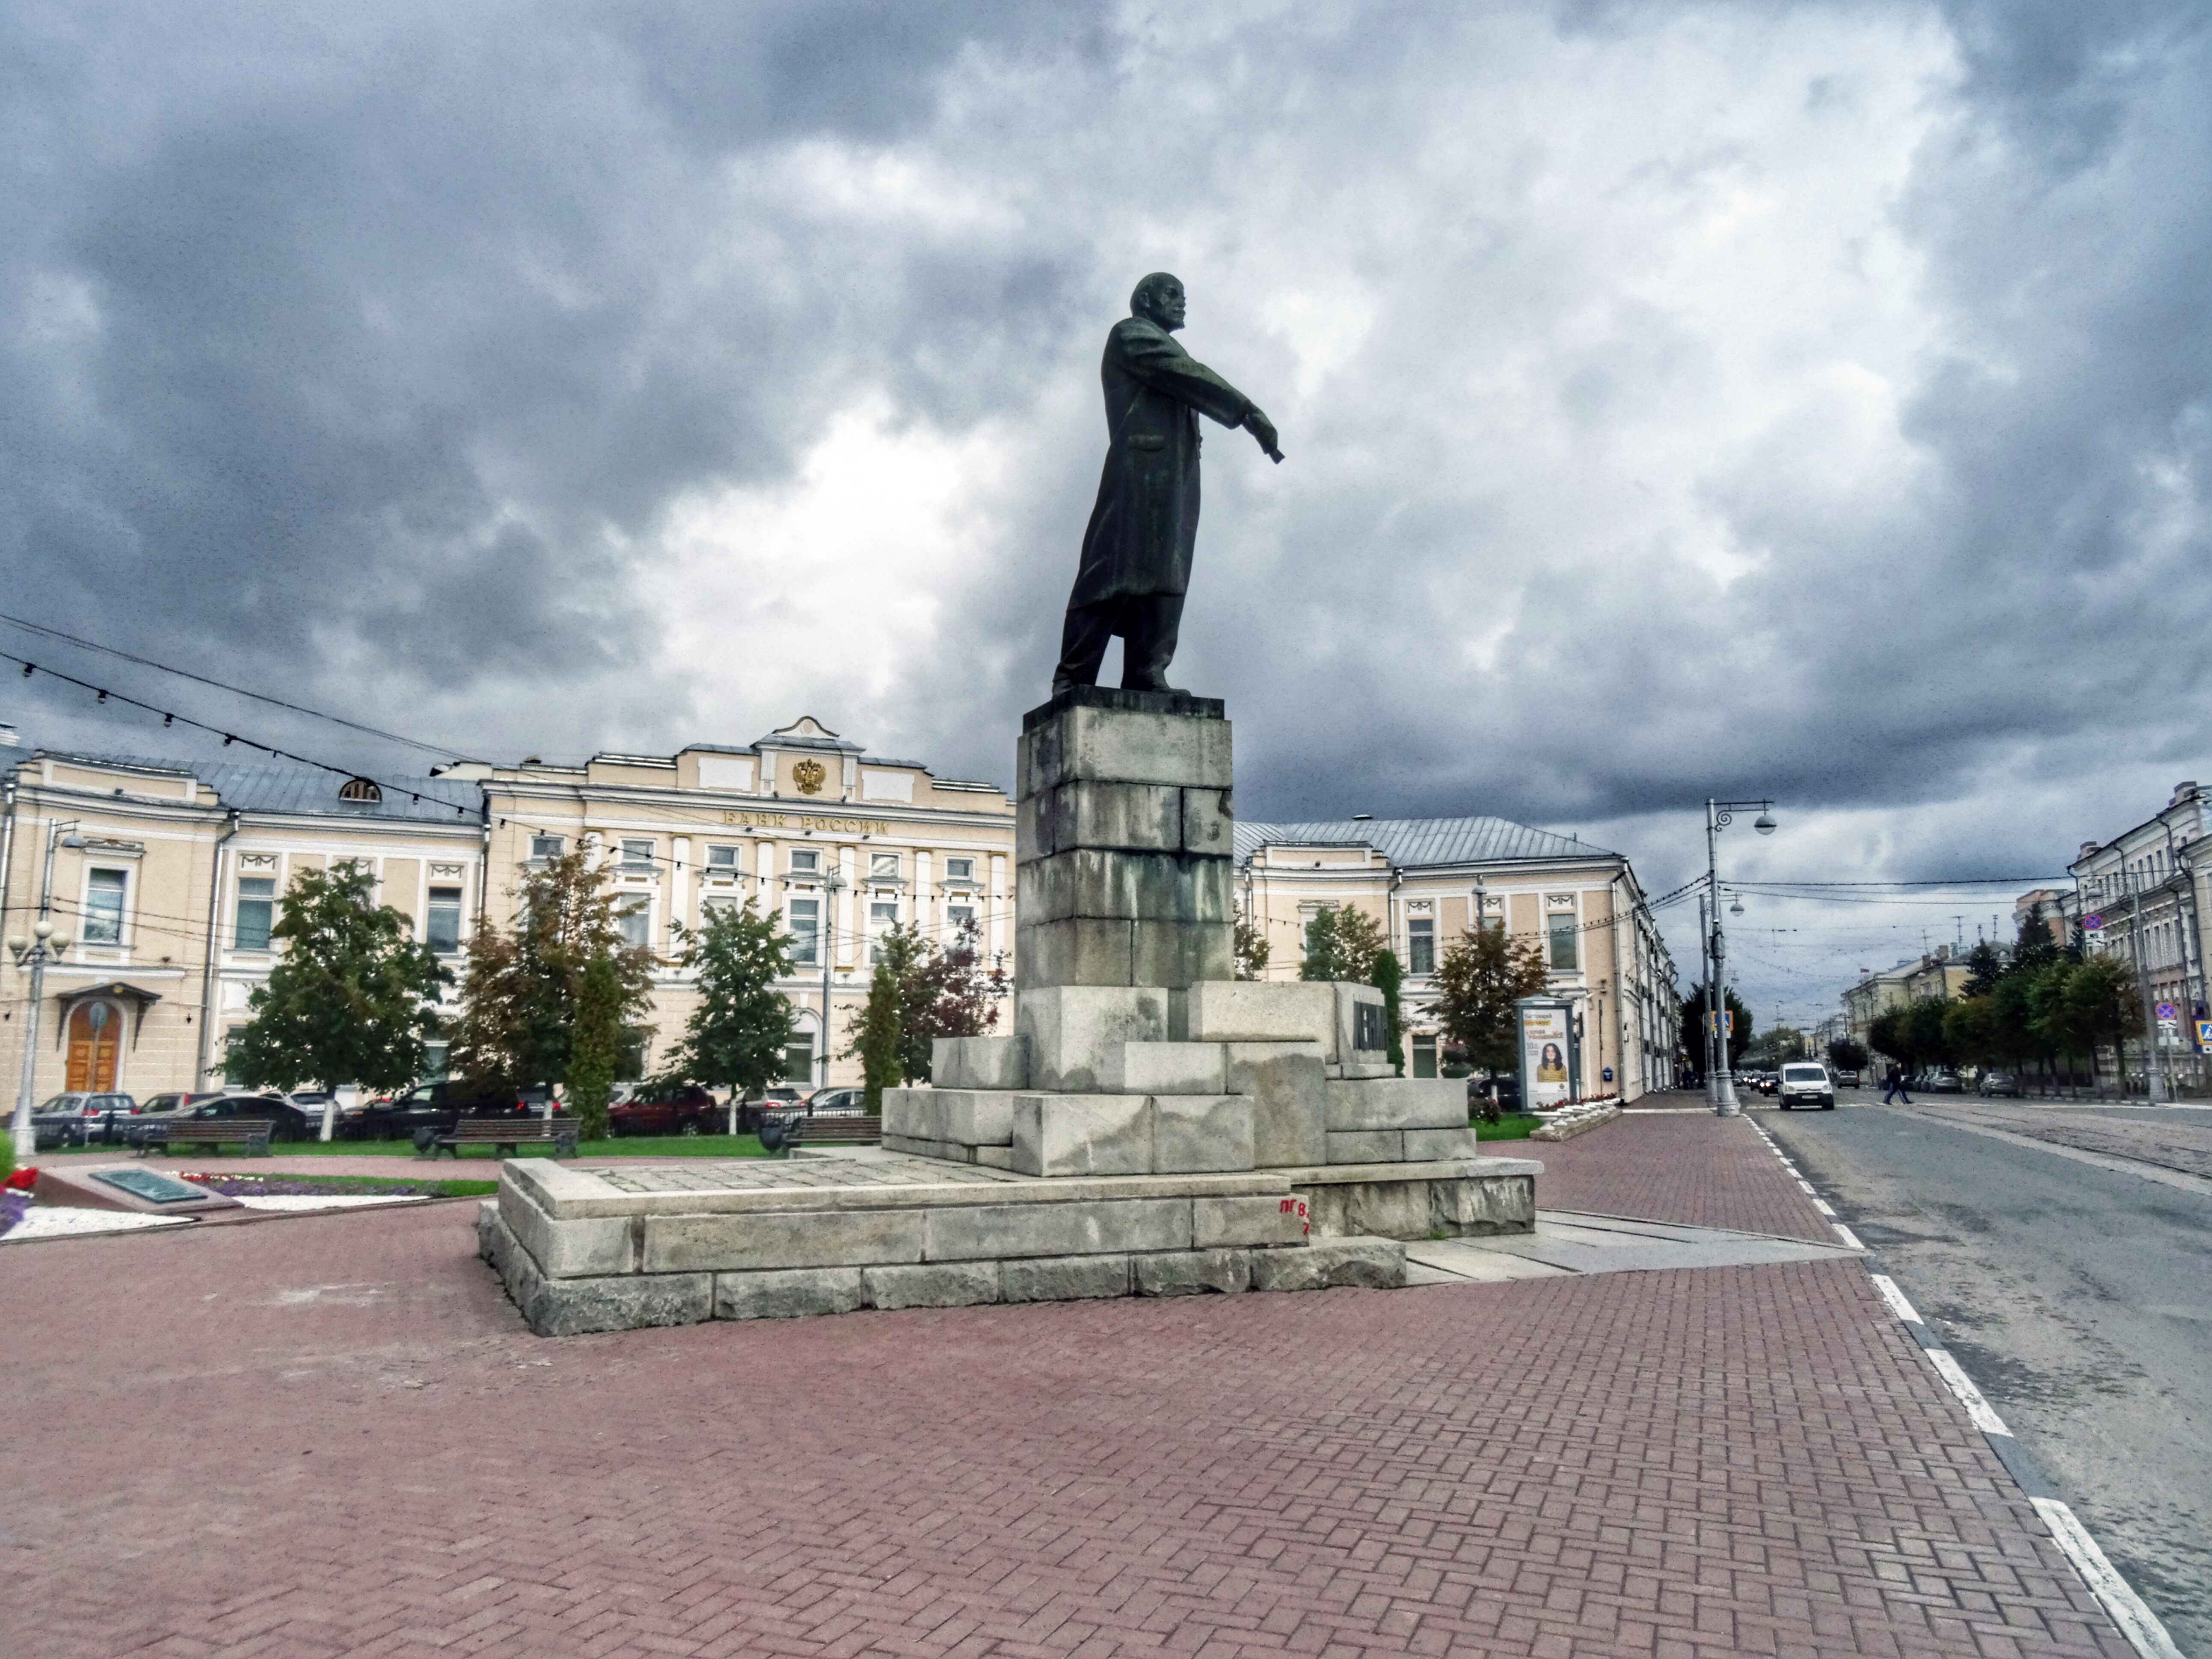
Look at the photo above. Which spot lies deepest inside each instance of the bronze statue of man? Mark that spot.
(1137, 550)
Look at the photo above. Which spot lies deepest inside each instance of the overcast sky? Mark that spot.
(1803, 401)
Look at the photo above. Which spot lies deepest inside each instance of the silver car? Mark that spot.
(1805, 1083)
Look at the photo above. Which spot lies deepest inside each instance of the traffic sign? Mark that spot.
(2167, 1013)
(2204, 1034)
(2093, 922)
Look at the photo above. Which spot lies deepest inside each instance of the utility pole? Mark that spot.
(44, 949)
(832, 885)
(1719, 814)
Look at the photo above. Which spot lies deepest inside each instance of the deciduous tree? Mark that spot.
(1249, 947)
(1341, 940)
(1387, 977)
(1847, 1054)
(352, 999)
(740, 1026)
(1694, 1028)
(1483, 974)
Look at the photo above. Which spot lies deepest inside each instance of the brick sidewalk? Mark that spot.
(1693, 1167)
(333, 1436)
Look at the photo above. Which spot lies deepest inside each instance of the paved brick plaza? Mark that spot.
(332, 1436)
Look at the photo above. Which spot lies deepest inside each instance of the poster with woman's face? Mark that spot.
(1544, 1057)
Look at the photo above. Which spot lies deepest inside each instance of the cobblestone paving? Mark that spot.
(2168, 1138)
(718, 1175)
(333, 1436)
(1690, 1167)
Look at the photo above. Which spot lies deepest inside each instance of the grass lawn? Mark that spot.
(1511, 1127)
(621, 1146)
(237, 1184)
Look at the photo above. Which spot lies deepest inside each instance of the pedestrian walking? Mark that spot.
(1896, 1080)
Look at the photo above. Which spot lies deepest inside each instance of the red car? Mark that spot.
(688, 1110)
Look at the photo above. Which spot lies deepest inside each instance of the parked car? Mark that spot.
(837, 1103)
(1943, 1083)
(1845, 1078)
(436, 1107)
(1806, 1083)
(2001, 1083)
(170, 1104)
(688, 1110)
(102, 1117)
(59, 1122)
(286, 1121)
(780, 1098)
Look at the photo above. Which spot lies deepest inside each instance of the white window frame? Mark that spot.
(122, 939)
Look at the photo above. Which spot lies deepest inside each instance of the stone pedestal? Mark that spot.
(1124, 852)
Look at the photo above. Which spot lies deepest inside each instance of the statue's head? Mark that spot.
(1158, 299)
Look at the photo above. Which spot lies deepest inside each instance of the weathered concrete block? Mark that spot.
(1193, 1134)
(1290, 1104)
(736, 1242)
(1189, 1273)
(1361, 1070)
(933, 1284)
(1375, 1263)
(995, 1158)
(1256, 1010)
(1139, 817)
(1100, 1226)
(1164, 1068)
(581, 1249)
(1078, 951)
(1180, 953)
(1421, 1143)
(1118, 745)
(910, 1114)
(1363, 1031)
(795, 1293)
(572, 1307)
(1082, 1134)
(1377, 1209)
(945, 1150)
(1072, 1028)
(1398, 1102)
(1263, 1220)
(977, 1062)
(976, 1117)
(1096, 881)
(1064, 1279)
(1478, 1206)
(487, 1219)
(1367, 1146)
(1209, 824)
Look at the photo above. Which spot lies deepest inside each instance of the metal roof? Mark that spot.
(275, 787)
(1410, 843)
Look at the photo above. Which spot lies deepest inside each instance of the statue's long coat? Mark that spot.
(1146, 522)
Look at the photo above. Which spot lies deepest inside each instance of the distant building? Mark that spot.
(1429, 880)
(2144, 892)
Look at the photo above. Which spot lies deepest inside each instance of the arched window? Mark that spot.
(360, 789)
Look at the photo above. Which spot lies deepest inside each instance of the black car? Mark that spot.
(286, 1121)
(436, 1107)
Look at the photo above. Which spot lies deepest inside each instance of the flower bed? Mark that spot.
(233, 1185)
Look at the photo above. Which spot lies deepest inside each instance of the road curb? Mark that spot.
(2142, 1628)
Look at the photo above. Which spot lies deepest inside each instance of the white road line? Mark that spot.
(1969, 1396)
(2137, 1622)
(1895, 1298)
(1821, 1205)
(1851, 1239)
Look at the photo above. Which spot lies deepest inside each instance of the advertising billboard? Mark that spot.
(1547, 1054)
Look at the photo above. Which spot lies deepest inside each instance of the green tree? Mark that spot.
(1847, 1054)
(879, 1034)
(1341, 941)
(1693, 1027)
(741, 1023)
(1970, 1032)
(1890, 1034)
(1985, 965)
(596, 1047)
(1929, 1044)
(1482, 974)
(522, 988)
(1387, 977)
(1248, 946)
(353, 998)
(947, 993)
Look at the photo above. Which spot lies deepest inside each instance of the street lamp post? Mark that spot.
(832, 885)
(42, 950)
(1719, 814)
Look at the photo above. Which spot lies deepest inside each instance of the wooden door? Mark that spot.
(95, 1032)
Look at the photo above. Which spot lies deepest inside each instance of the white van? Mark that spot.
(1807, 1084)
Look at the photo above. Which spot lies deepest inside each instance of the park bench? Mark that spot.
(833, 1130)
(502, 1133)
(249, 1133)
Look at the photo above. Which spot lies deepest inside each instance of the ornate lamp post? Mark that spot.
(1719, 814)
(43, 948)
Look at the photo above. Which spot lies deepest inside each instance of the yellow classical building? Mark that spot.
(1427, 881)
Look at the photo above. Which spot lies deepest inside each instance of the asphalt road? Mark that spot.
(2077, 1294)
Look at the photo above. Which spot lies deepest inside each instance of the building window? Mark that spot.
(806, 929)
(637, 857)
(257, 908)
(1425, 1056)
(960, 869)
(545, 846)
(103, 907)
(798, 1063)
(634, 919)
(722, 857)
(882, 915)
(1421, 950)
(884, 865)
(442, 924)
(361, 789)
(434, 1061)
(714, 906)
(960, 917)
(807, 860)
(1563, 930)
